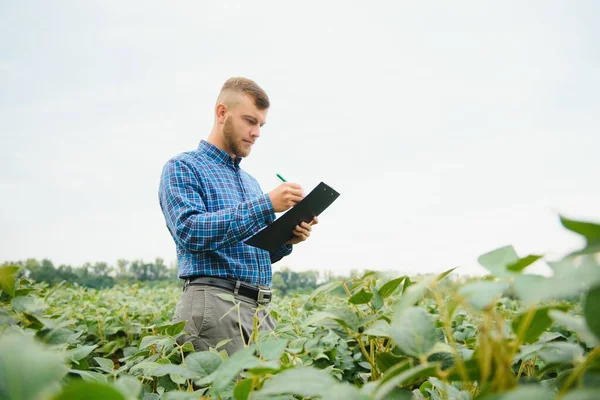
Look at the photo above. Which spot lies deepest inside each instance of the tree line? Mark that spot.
(103, 275)
(95, 275)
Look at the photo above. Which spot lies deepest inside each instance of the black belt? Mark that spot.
(258, 294)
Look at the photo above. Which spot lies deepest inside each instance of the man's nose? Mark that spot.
(255, 132)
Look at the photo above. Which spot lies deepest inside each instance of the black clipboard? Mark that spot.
(274, 235)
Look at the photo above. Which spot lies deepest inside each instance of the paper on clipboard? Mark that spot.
(281, 230)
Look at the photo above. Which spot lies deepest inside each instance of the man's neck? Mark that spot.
(216, 139)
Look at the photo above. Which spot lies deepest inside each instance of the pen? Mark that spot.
(281, 177)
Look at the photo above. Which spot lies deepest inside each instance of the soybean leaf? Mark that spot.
(561, 352)
(242, 389)
(304, 381)
(592, 311)
(540, 322)
(389, 287)
(28, 304)
(413, 331)
(376, 300)
(105, 364)
(7, 279)
(481, 294)
(90, 391)
(400, 375)
(590, 231)
(26, 367)
(129, 386)
(523, 263)
(203, 362)
(576, 324)
(362, 297)
(582, 394)
(497, 260)
(80, 352)
(272, 348)
(171, 329)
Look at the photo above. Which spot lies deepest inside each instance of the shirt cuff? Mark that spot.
(264, 208)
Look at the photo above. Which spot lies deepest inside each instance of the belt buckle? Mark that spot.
(264, 296)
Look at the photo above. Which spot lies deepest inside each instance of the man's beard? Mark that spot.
(229, 135)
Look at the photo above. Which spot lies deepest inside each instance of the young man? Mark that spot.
(211, 206)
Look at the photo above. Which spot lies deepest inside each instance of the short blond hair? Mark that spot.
(249, 87)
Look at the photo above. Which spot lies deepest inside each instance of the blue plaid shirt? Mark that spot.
(210, 206)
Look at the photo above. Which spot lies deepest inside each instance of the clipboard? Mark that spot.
(274, 235)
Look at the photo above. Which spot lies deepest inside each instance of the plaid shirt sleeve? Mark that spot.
(281, 252)
(197, 230)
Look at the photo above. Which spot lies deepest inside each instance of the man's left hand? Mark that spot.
(302, 231)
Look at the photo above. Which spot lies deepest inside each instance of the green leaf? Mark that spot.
(272, 348)
(568, 280)
(242, 389)
(77, 390)
(228, 370)
(592, 311)
(445, 274)
(401, 375)
(149, 340)
(173, 395)
(444, 357)
(523, 263)
(582, 394)
(540, 322)
(378, 328)
(171, 329)
(376, 300)
(407, 284)
(590, 231)
(8, 276)
(450, 391)
(361, 297)
(226, 297)
(146, 367)
(90, 376)
(324, 289)
(525, 392)
(173, 369)
(413, 331)
(414, 293)
(80, 352)
(576, 324)
(496, 261)
(27, 368)
(129, 386)
(29, 304)
(304, 381)
(387, 360)
(344, 391)
(481, 294)
(389, 287)
(105, 364)
(319, 316)
(58, 336)
(561, 353)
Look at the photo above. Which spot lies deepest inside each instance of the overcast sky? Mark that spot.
(448, 129)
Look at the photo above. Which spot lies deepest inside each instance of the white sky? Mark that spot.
(449, 130)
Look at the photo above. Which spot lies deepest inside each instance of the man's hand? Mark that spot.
(285, 196)
(302, 231)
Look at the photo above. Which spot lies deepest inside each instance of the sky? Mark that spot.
(449, 130)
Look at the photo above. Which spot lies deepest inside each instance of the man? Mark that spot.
(211, 206)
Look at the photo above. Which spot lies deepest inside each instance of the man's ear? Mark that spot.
(221, 113)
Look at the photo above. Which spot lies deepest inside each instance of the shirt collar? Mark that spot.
(217, 154)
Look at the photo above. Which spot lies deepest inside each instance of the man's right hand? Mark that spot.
(285, 196)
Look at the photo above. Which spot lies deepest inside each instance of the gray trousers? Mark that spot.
(205, 325)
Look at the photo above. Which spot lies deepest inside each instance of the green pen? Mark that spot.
(281, 177)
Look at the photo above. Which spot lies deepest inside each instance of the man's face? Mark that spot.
(242, 126)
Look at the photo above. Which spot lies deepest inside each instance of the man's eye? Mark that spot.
(250, 121)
